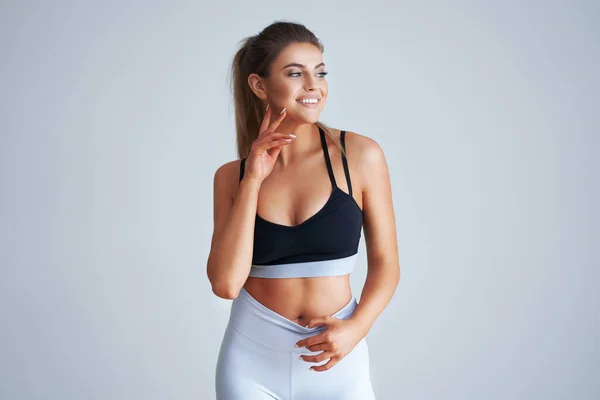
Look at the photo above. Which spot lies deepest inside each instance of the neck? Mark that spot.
(306, 140)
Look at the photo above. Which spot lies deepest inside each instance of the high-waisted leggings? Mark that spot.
(258, 360)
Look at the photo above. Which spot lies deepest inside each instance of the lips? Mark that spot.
(314, 104)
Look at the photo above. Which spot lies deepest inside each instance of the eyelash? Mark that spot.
(320, 73)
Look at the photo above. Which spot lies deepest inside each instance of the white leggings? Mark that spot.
(258, 360)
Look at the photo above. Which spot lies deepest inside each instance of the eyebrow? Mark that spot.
(301, 65)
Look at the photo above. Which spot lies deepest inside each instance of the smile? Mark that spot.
(309, 103)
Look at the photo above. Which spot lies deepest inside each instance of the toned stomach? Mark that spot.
(299, 299)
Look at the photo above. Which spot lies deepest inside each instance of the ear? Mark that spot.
(257, 85)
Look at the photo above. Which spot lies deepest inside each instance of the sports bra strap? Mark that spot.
(345, 161)
(242, 168)
(327, 160)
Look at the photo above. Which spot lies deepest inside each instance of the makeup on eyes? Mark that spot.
(291, 74)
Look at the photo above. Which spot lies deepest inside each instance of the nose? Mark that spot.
(310, 83)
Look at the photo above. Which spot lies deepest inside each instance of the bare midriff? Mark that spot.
(300, 299)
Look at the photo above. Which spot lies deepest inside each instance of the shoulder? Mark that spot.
(229, 169)
(364, 151)
(226, 177)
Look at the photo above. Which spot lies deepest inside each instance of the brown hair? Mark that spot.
(256, 55)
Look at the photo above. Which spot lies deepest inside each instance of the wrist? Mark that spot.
(363, 325)
(250, 182)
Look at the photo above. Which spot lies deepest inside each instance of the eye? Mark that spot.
(295, 74)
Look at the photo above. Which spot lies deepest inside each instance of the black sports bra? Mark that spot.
(326, 244)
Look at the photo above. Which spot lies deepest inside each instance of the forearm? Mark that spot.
(230, 257)
(380, 285)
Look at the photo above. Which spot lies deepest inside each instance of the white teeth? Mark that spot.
(309, 100)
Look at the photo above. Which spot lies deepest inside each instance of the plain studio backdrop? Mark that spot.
(114, 116)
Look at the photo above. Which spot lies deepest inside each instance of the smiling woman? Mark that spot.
(288, 221)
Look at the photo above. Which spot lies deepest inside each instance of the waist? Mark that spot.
(262, 324)
(300, 298)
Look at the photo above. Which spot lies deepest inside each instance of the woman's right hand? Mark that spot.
(260, 163)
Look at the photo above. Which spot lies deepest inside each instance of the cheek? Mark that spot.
(284, 96)
(284, 86)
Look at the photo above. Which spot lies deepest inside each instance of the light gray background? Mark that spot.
(115, 116)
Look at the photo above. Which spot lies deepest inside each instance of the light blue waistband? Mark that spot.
(258, 322)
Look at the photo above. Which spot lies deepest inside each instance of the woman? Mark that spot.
(288, 217)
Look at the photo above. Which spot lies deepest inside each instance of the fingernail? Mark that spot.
(267, 107)
(311, 369)
(296, 345)
(301, 358)
(292, 135)
(282, 111)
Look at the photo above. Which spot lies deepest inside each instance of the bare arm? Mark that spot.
(383, 272)
(230, 256)
(232, 244)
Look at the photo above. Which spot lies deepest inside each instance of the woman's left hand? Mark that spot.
(340, 337)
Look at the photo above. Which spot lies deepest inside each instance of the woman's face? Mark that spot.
(297, 73)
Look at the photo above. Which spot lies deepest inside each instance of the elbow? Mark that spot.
(221, 285)
(223, 288)
(225, 291)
